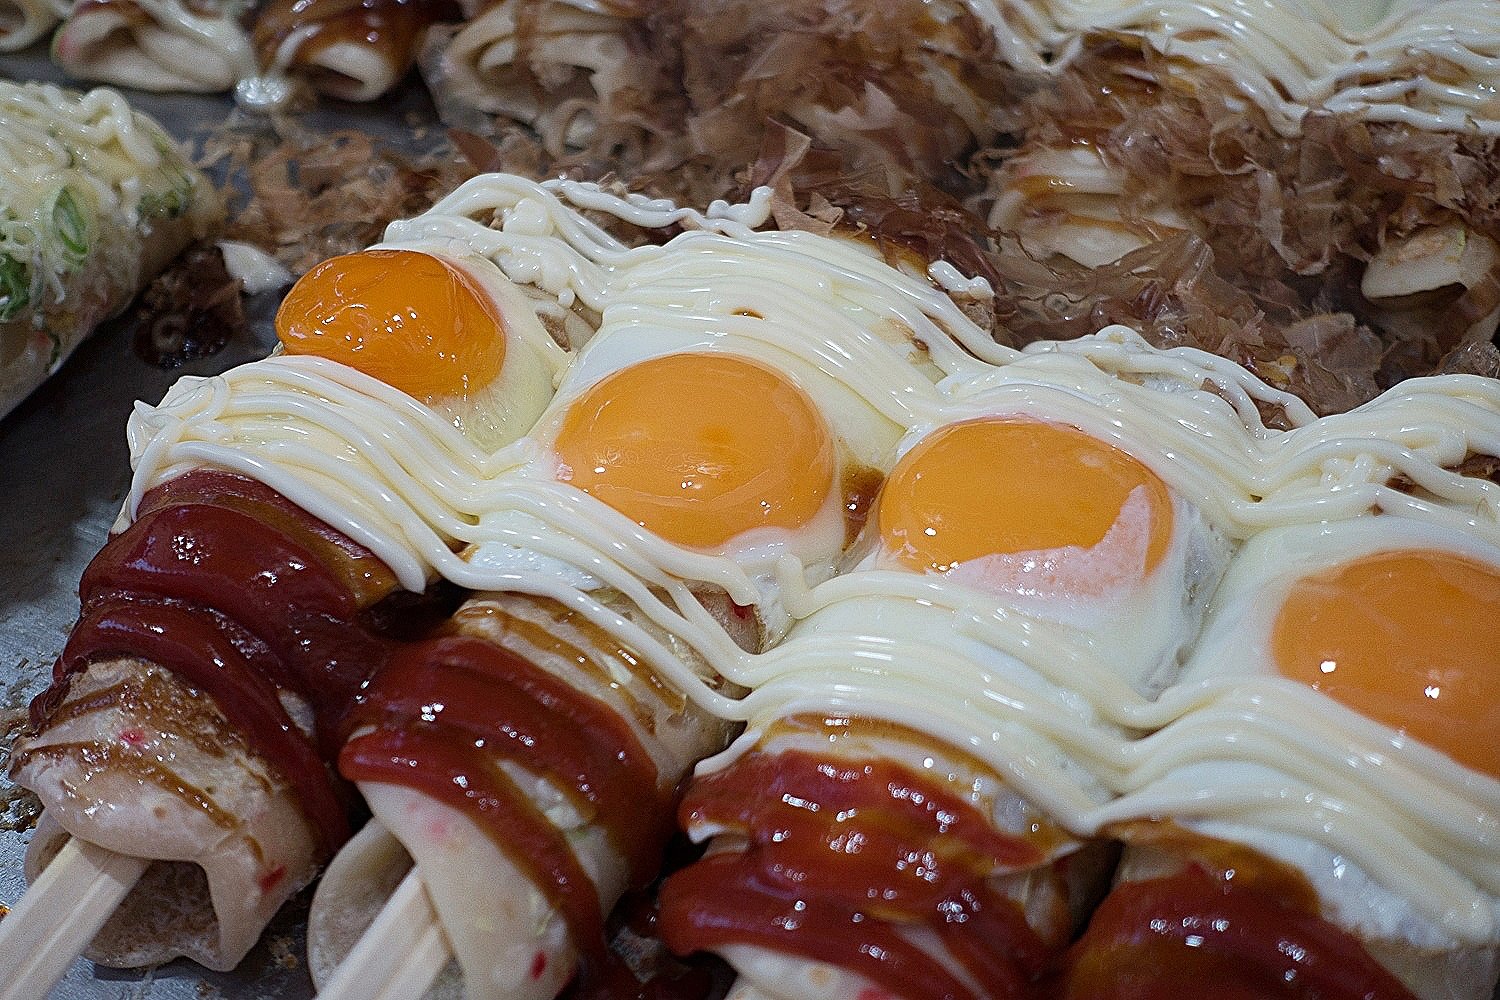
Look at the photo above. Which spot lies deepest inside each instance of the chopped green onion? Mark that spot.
(15, 288)
(72, 228)
(169, 203)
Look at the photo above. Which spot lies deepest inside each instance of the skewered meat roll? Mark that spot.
(355, 50)
(1272, 846)
(95, 200)
(1312, 817)
(222, 638)
(903, 816)
(1318, 822)
(718, 436)
(226, 629)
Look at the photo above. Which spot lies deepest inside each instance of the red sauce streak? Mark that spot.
(448, 710)
(538, 964)
(1201, 934)
(840, 858)
(362, 572)
(272, 878)
(242, 595)
(207, 652)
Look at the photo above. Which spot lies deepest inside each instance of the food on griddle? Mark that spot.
(159, 45)
(355, 50)
(923, 756)
(901, 818)
(1318, 812)
(1334, 162)
(703, 454)
(221, 638)
(25, 21)
(409, 471)
(94, 200)
(903, 92)
(226, 630)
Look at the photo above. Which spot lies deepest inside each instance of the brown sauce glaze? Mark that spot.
(102, 757)
(1230, 925)
(255, 578)
(548, 637)
(841, 858)
(392, 27)
(446, 712)
(161, 705)
(366, 577)
(860, 485)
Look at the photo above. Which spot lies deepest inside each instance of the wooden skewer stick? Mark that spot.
(60, 914)
(399, 956)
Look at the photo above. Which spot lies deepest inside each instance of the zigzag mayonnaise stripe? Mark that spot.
(1433, 66)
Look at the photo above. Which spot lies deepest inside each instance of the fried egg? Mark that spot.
(1057, 525)
(700, 448)
(1386, 617)
(711, 464)
(446, 328)
(1337, 715)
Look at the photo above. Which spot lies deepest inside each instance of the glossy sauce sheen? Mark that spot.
(394, 26)
(1232, 928)
(446, 711)
(243, 596)
(841, 855)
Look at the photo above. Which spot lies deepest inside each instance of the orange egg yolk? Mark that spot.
(1001, 485)
(1404, 638)
(699, 448)
(412, 320)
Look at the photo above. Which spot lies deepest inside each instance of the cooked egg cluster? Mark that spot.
(1016, 552)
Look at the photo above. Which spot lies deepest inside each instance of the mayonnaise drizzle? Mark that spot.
(1043, 705)
(1430, 65)
(96, 150)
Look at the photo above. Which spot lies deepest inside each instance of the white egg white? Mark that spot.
(1397, 839)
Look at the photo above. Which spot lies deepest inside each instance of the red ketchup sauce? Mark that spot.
(445, 712)
(841, 856)
(1232, 926)
(242, 595)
